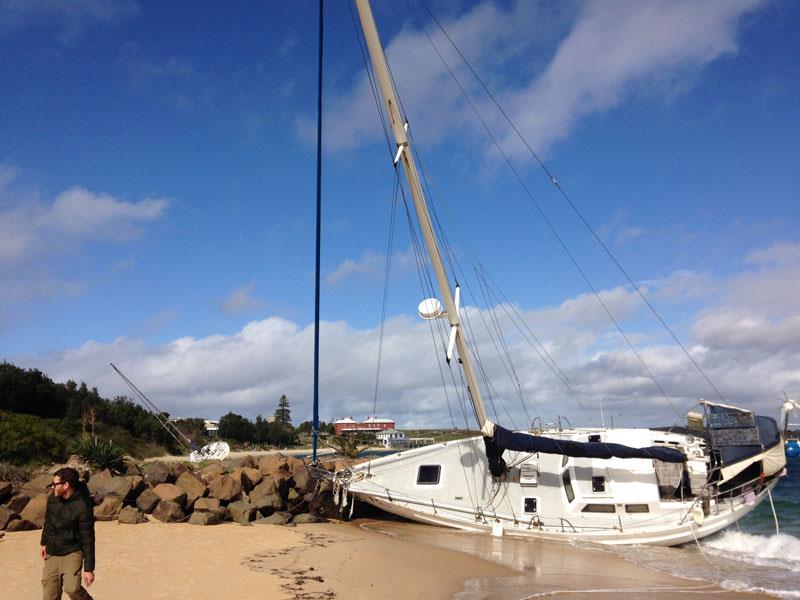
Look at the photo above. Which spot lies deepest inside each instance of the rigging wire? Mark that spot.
(385, 300)
(546, 220)
(171, 428)
(575, 209)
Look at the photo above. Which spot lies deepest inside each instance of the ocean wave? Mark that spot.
(781, 551)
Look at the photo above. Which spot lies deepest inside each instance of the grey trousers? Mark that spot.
(63, 573)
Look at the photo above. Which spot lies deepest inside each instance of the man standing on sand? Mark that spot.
(68, 538)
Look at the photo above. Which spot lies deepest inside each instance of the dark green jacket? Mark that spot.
(69, 526)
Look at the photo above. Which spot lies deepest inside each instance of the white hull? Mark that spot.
(466, 496)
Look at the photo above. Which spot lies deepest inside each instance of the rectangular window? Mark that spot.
(637, 508)
(428, 474)
(530, 505)
(595, 437)
(598, 484)
(599, 508)
(568, 486)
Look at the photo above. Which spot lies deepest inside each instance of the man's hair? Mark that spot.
(69, 475)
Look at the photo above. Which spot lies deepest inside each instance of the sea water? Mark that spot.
(749, 555)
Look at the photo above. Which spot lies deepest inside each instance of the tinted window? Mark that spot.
(637, 508)
(428, 474)
(568, 486)
(530, 505)
(599, 508)
(598, 484)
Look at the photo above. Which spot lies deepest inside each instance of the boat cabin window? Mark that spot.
(598, 484)
(568, 485)
(530, 505)
(599, 508)
(428, 474)
(637, 508)
(595, 437)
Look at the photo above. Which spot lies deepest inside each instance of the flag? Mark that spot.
(749, 496)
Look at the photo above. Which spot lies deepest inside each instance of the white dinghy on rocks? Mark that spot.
(614, 486)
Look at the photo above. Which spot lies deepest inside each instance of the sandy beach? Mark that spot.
(359, 560)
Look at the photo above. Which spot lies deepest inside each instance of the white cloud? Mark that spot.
(30, 228)
(241, 300)
(749, 353)
(779, 252)
(371, 265)
(611, 48)
(67, 20)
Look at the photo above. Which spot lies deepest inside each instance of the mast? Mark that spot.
(315, 417)
(404, 155)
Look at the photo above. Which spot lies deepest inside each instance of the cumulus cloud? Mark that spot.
(612, 48)
(241, 300)
(371, 265)
(67, 20)
(749, 353)
(76, 216)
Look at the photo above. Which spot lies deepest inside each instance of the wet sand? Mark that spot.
(359, 560)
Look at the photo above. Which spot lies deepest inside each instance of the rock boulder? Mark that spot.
(171, 493)
(168, 512)
(192, 486)
(35, 509)
(147, 501)
(108, 509)
(225, 488)
(204, 518)
(130, 515)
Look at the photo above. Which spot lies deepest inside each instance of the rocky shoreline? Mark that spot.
(274, 489)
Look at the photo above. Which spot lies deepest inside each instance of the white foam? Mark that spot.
(781, 551)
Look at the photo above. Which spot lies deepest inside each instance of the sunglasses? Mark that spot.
(52, 485)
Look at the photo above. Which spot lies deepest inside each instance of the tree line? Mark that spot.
(40, 420)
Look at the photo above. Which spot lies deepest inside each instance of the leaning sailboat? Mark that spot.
(614, 486)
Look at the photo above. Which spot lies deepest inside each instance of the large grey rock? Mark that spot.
(168, 512)
(212, 470)
(130, 515)
(17, 503)
(266, 487)
(270, 464)
(104, 484)
(225, 488)
(21, 525)
(211, 505)
(157, 472)
(192, 486)
(204, 518)
(248, 477)
(268, 504)
(147, 501)
(278, 518)
(6, 516)
(171, 492)
(108, 509)
(37, 486)
(304, 518)
(35, 509)
(241, 511)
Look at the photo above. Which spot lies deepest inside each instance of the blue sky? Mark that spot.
(157, 195)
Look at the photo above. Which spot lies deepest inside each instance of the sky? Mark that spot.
(157, 190)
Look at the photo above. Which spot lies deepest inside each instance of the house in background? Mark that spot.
(211, 427)
(391, 438)
(371, 424)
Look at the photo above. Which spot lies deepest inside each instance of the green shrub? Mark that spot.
(99, 453)
(26, 439)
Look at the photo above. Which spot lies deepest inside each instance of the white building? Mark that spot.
(212, 427)
(391, 438)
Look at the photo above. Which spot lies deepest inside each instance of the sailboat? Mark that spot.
(608, 485)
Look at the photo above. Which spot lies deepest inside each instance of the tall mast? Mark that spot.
(405, 156)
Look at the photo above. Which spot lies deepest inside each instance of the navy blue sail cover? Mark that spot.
(504, 439)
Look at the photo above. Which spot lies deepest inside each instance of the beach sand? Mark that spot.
(358, 560)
